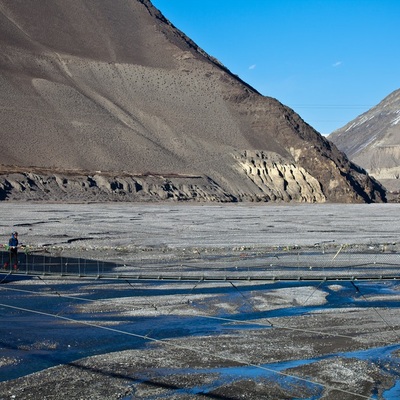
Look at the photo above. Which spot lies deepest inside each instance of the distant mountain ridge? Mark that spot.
(372, 140)
(108, 101)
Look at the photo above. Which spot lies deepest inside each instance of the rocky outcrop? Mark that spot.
(99, 187)
(269, 178)
(278, 180)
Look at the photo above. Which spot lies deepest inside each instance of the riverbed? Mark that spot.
(135, 339)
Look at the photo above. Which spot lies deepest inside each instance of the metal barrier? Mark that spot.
(328, 262)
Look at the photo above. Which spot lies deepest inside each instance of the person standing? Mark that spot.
(13, 250)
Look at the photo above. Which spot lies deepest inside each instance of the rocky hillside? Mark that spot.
(104, 100)
(372, 140)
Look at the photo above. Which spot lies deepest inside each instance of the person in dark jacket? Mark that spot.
(13, 249)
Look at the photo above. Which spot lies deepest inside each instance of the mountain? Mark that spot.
(106, 100)
(372, 140)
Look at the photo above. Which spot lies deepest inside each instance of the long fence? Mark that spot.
(343, 262)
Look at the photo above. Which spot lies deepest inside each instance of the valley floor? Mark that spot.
(135, 339)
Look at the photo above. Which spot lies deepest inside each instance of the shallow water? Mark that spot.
(38, 341)
(147, 230)
(382, 356)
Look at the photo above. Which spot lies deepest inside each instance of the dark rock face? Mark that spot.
(372, 140)
(112, 86)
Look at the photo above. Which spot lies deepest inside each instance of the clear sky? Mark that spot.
(329, 60)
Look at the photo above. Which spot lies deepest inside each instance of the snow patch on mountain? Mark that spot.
(397, 119)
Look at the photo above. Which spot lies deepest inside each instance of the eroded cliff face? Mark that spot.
(119, 89)
(101, 187)
(279, 180)
(267, 178)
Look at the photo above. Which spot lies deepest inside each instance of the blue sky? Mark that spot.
(329, 60)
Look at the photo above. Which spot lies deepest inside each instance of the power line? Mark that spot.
(56, 293)
(181, 347)
(269, 324)
(374, 308)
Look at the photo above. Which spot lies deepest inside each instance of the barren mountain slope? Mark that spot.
(372, 140)
(106, 100)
